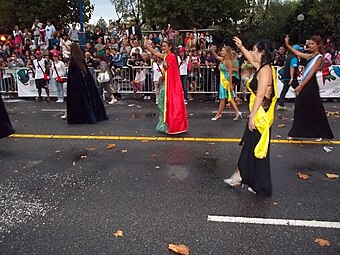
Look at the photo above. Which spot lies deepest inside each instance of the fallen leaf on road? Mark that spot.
(179, 249)
(303, 176)
(281, 125)
(332, 176)
(57, 151)
(91, 148)
(153, 155)
(110, 146)
(124, 151)
(278, 136)
(145, 141)
(118, 233)
(322, 242)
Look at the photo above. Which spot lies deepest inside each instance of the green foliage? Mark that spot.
(60, 12)
(127, 10)
(183, 14)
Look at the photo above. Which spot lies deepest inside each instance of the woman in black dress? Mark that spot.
(84, 105)
(6, 128)
(310, 120)
(253, 168)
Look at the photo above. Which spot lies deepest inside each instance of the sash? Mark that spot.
(309, 66)
(263, 120)
(226, 85)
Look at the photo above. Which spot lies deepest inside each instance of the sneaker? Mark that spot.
(48, 99)
(113, 101)
(149, 97)
(185, 101)
(156, 101)
(63, 117)
(281, 108)
(60, 101)
(190, 99)
(318, 139)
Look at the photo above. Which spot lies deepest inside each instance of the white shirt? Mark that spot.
(38, 72)
(36, 29)
(60, 66)
(156, 71)
(73, 33)
(183, 65)
(50, 29)
(134, 49)
(64, 49)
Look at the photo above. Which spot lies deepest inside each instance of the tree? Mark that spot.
(127, 10)
(60, 12)
(102, 24)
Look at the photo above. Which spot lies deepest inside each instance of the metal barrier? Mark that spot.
(200, 80)
(8, 81)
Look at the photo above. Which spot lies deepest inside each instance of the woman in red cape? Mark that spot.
(172, 111)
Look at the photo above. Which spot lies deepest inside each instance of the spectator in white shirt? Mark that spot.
(50, 29)
(41, 66)
(58, 69)
(36, 27)
(74, 33)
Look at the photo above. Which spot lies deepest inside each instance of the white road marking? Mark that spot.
(282, 222)
(53, 110)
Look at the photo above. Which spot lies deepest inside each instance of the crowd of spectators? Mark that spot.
(120, 46)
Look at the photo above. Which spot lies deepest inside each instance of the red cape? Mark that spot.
(175, 111)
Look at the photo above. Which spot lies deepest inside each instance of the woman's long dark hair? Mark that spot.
(77, 57)
(172, 49)
(318, 40)
(267, 50)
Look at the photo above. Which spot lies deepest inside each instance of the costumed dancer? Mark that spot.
(225, 90)
(84, 105)
(254, 162)
(173, 118)
(6, 128)
(310, 120)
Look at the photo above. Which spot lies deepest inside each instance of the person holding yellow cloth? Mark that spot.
(254, 162)
(225, 90)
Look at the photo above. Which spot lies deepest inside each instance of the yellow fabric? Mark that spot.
(263, 120)
(226, 85)
(165, 87)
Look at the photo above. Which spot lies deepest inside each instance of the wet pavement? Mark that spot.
(68, 195)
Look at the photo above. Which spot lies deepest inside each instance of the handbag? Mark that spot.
(46, 76)
(103, 77)
(59, 79)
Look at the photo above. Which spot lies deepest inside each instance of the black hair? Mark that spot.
(267, 50)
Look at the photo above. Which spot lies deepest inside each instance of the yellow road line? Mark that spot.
(161, 138)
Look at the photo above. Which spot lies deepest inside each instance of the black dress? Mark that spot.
(255, 172)
(6, 128)
(310, 119)
(84, 105)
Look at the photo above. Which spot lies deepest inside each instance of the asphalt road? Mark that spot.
(69, 196)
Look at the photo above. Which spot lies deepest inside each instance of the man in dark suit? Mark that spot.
(135, 30)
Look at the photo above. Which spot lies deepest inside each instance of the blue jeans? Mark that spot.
(60, 89)
(184, 80)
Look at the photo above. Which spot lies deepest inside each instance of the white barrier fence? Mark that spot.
(20, 82)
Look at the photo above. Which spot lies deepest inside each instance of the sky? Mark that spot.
(102, 8)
